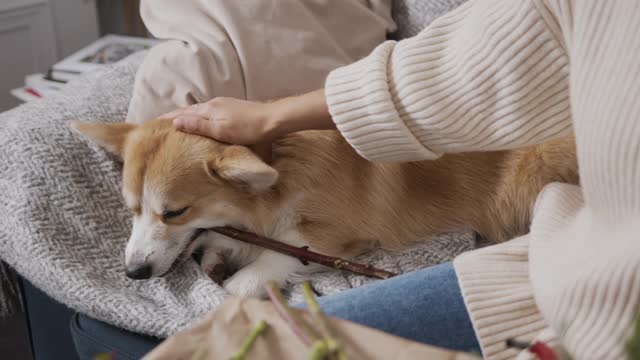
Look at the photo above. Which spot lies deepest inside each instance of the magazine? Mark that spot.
(106, 50)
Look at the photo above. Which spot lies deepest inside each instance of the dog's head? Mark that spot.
(177, 184)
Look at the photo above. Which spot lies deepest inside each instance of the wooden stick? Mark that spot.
(303, 253)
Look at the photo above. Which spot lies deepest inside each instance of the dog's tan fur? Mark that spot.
(340, 203)
(351, 203)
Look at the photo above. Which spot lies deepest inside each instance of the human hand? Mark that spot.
(254, 124)
(231, 121)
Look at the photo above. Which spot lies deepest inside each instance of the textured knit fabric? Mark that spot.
(64, 225)
(412, 16)
(501, 74)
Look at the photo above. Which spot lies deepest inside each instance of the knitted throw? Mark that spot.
(64, 225)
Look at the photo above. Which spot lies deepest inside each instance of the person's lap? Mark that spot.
(425, 306)
(93, 337)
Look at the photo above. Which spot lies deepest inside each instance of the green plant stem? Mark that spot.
(633, 344)
(330, 341)
(251, 339)
(319, 351)
(306, 334)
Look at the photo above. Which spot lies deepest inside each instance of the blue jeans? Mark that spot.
(425, 306)
(93, 337)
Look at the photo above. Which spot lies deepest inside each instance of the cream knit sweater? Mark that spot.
(501, 74)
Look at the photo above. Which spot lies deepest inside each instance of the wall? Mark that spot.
(75, 24)
(34, 34)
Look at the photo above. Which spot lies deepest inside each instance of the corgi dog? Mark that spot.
(316, 192)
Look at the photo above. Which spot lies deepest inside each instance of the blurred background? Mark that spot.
(36, 34)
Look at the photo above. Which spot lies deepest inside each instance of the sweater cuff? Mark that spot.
(362, 107)
(499, 297)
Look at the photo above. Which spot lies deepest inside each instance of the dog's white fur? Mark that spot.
(318, 192)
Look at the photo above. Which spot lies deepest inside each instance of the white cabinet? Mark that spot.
(34, 34)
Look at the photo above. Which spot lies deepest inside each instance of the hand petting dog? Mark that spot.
(252, 123)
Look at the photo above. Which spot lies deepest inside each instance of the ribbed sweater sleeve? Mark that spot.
(490, 75)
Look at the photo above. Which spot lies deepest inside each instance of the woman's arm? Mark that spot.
(247, 123)
(298, 113)
(251, 123)
(490, 75)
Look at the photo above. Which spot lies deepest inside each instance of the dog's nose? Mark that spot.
(141, 273)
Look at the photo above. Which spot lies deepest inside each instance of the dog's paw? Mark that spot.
(210, 259)
(246, 284)
(213, 264)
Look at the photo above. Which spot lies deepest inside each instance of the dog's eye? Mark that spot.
(173, 214)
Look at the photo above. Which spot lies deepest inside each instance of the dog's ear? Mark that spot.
(240, 165)
(109, 136)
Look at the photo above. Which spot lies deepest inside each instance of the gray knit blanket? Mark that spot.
(64, 226)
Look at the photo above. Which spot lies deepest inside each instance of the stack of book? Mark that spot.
(104, 51)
